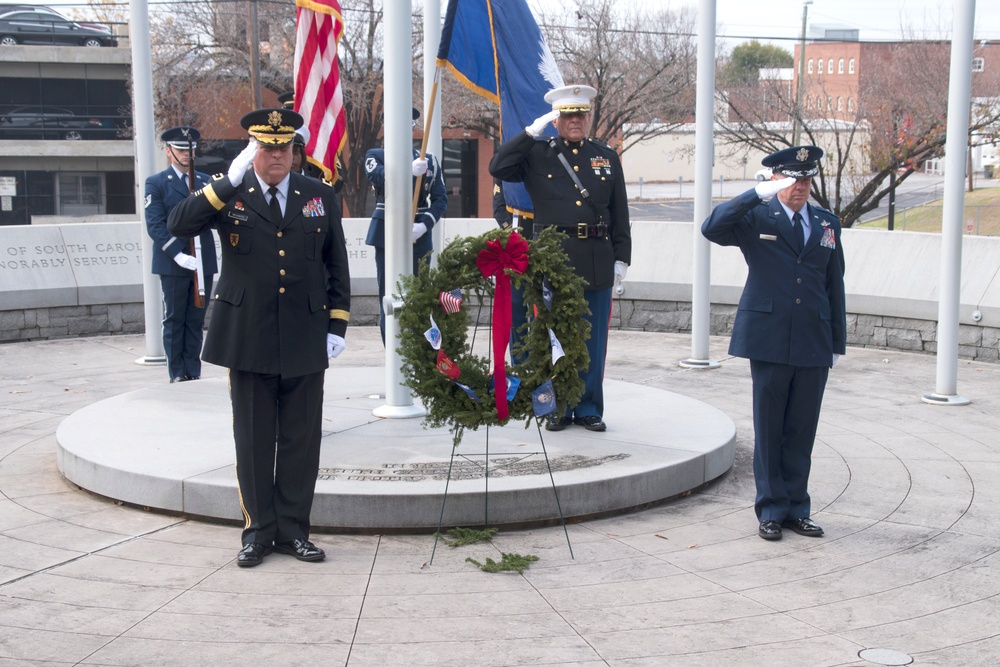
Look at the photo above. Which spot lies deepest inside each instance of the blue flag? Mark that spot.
(543, 399)
(494, 47)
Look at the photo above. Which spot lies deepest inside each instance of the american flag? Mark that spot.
(319, 97)
(451, 301)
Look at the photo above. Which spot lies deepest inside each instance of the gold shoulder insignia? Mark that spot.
(327, 182)
(218, 177)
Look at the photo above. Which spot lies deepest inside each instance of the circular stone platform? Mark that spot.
(170, 447)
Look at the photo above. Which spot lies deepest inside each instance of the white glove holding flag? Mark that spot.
(420, 167)
(419, 229)
(334, 345)
(241, 162)
(186, 261)
(621, 268)
(766, 189)
(537, 128)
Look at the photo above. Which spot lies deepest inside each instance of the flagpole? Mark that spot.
(428, 117)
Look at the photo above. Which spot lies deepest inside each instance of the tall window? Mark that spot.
(820, 65)
(840, 66)
(850, 66)
(850, 105)
(840, 104)
(978, 64)
(810, 65)
(829, 66)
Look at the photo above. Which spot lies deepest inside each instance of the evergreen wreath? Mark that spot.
(446, 402)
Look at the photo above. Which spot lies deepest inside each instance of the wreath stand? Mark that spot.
(521, 456)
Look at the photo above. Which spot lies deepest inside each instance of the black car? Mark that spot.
(48, 123)
(24, 24)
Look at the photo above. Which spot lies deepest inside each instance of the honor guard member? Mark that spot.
(280, 313)
(287, 100)
(790, 324)
(577, 185)
(183, 322)
(431, 206)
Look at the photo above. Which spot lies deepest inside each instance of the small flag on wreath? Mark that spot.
(447, 366)
(451, 301)
(543, 399)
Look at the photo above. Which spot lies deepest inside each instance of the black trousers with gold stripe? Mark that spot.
(277, 427)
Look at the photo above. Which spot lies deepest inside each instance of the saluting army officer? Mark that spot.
(183, 323)
(281, 312)
(595, 216)
(790, 324)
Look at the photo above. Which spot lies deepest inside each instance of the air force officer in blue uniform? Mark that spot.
(182, 321)
(431, 206)
(790, 324)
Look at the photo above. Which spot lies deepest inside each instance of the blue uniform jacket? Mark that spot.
(792, 310)
(430, 208)
(164, 190)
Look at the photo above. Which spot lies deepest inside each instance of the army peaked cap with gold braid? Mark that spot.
(272, 127)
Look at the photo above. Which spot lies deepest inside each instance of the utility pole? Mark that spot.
(253, 37)
(802, 76)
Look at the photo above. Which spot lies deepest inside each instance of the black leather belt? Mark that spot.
(582, 230)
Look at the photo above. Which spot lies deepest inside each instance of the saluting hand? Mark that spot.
(537, 128)
(766, 189)
(241, 162)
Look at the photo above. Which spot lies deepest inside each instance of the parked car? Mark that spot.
(763, 174)
(48, 123)
(25, 24)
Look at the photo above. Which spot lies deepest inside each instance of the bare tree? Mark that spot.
(886, 128)
(641, 62)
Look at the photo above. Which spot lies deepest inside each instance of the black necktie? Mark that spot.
(276, 207)
(797, 230)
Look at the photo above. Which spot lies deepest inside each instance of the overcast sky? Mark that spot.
(876, 19)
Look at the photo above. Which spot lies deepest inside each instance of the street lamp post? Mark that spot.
(802, 75)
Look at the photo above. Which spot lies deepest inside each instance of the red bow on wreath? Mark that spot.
(492, 261)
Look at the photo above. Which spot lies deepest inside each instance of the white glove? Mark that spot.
(538, 127)
(836, 358)
(621, 268)
(766, 189)
(334, 345)
(186, 261)
(241, 162)
(420, 167)
(419, 229)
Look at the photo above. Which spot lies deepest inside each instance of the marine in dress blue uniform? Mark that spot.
(183, 323)
(599, 242)
(431, 206)
(790, 324)
(280, 313)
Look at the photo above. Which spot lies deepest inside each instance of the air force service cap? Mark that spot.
(181, 137)
(571, 99)
(797, 161)
(272, 127)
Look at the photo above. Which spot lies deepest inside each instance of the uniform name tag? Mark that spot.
(238, 216)
(829, 240)
(768, 237)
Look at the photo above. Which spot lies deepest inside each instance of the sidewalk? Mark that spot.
(906, 492)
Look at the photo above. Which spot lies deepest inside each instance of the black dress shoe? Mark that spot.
(591, 423)
(301, 549)
(804, 526)
(558, 424)
(177, 379)
(769, 530)
(252, 554)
